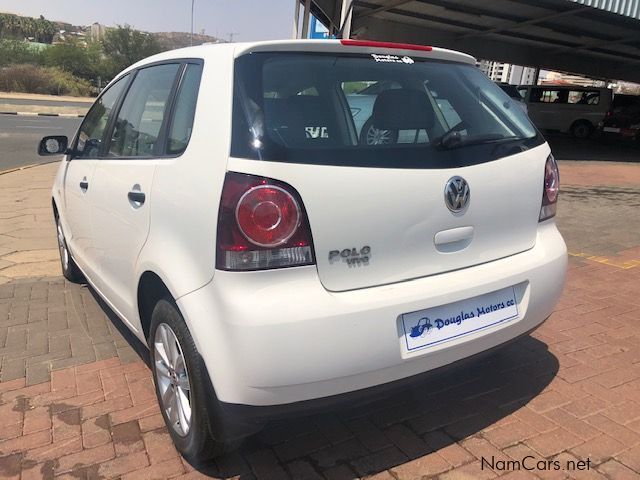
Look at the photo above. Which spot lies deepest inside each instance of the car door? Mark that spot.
(122, 183)
(78, 178)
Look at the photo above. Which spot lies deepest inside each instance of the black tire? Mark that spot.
(387, 137)
(70, 270)
(197, 443)
(582, 129)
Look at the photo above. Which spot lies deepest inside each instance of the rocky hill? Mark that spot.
(172, 40)
(41, 30)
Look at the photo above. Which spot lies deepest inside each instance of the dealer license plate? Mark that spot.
(441, 324)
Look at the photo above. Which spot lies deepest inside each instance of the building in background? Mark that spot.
(496, 71)
(317, 30)
(520, 75)
(627, 88)
(508, 73)
(559, 78)
(97, 31)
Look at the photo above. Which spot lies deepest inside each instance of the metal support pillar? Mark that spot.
(296, 19)
(305, 19)
(345, 18)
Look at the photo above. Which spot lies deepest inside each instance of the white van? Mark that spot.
(220, 200)
(572, 109)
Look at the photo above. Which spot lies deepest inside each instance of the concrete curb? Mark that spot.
(35, 114)
(24, 167)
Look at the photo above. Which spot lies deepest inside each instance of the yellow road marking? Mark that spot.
(626, 264)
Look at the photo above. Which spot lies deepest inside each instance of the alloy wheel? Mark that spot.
(376, 136)
(172, 379)
(62, 246)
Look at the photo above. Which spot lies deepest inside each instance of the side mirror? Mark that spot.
(53, 145)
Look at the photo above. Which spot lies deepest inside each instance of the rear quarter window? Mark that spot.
(181, 124)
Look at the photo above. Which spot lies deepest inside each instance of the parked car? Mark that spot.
(514, 93)
(220, 200)
(623, 120)
(570, 109)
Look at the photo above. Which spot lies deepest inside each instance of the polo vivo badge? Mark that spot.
(444, 323)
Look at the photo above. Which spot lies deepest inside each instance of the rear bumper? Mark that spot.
(251, 418)
(278, 337)
(628, 134)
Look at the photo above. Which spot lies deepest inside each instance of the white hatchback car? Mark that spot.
(220, 200)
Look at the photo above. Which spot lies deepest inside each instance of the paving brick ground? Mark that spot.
(50, 324)
(75, 401)
(28, 245)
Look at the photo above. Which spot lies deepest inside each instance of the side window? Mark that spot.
(539, 95)
(184, 110)
(584, 97)
(94, 124)
(137, 126)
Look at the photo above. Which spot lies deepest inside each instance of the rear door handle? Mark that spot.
(137, 196)
(84, 185)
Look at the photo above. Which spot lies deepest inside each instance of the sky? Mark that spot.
(248, 20)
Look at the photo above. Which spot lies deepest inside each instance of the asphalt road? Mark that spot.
(20, 135)
(48, 103)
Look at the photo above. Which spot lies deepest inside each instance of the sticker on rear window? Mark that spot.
(386, 58)
(316, 132)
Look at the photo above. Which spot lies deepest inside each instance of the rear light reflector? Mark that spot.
(551, 189)
(262, 224)
(399, 46)
(267, 215)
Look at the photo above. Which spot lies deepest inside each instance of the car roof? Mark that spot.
(336, 46)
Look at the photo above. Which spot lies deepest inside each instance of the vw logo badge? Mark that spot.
(457, 194)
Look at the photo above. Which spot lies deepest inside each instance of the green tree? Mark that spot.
(14, 51)
(86, 61)
(9, 26)
(44, 30)
(124, 46)
(69, 56)
(15, 27)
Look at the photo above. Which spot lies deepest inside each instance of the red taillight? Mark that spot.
(371, 43)
(550, 190)
(261, 224)
(267, 215)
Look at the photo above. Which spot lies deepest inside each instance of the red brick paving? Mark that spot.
(568, 393)
(571, 391)
(599, 173)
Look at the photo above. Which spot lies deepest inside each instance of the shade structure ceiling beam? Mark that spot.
(384, 8)
(552, 34)
(533, 21)
(513, 47)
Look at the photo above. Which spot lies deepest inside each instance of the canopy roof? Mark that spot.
(597, 38)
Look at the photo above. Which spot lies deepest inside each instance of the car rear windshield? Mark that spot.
(372, 110)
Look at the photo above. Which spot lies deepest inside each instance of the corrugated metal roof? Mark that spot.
(628, 8)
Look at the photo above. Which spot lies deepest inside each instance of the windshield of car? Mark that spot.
(376, 110)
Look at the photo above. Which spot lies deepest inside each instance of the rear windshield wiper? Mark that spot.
(453, 139)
